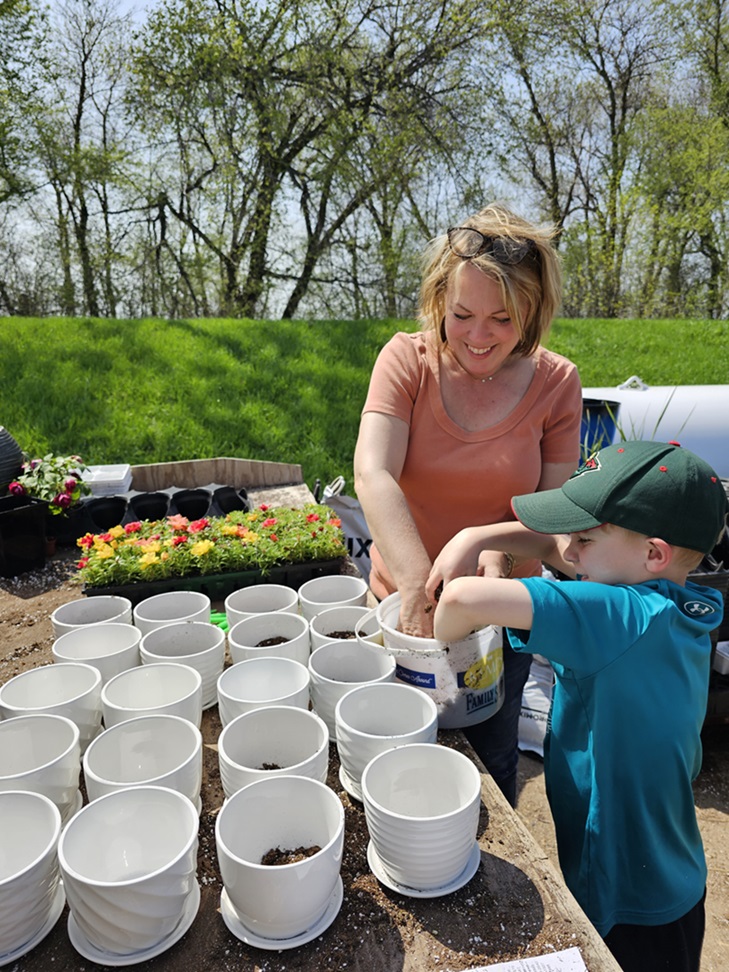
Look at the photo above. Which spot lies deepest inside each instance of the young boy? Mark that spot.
(630, 648)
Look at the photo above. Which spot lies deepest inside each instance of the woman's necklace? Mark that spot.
(467, 372)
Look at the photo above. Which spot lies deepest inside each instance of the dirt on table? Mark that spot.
(497, 916)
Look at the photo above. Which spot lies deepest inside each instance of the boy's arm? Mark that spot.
(460, 556)
(468, 603)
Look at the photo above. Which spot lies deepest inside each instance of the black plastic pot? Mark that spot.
(227, 499)
(106, 511)
(149, 506)
(22, 535)
(192, 503)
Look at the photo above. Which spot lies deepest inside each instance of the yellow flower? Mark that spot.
(148, 559)
(117, 531)
(230, 529)
(150, 548)
(202, 547)
(104, 551)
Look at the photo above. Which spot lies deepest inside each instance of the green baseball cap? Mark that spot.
(654, 488)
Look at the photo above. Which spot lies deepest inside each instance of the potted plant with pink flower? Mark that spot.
(56, 481)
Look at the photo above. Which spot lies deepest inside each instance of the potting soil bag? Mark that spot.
(536, 701)
(354, 525)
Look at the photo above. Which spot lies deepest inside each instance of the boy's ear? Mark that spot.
(660, 555)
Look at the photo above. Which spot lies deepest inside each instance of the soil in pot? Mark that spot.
(341, 635)
(267, 642)
(277, 855)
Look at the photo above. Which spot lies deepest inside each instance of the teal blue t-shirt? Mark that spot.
(623, 745)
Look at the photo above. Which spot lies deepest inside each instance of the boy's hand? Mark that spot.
(459, 557)
(469, 603)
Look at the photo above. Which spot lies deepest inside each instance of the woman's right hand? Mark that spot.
(416, 615)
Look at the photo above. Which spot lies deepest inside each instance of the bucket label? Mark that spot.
(483, 672)
(418, 679)
(479, 700)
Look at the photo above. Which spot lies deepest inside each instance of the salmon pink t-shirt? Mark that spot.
(452, 478)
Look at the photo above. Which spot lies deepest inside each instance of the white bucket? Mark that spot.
(465, 678)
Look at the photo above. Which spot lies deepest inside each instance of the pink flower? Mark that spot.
(134, 527)
(197, 525)
(70, 484)
(178, 522)
(16, 488)
(335, 522)
(62, 499)
(271, 521)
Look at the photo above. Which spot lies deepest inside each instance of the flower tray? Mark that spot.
(219, 586)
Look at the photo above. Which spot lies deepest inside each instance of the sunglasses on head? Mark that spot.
(467, 243)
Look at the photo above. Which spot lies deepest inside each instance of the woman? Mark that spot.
(463, 415)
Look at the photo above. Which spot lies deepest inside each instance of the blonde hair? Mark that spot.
(536, 282)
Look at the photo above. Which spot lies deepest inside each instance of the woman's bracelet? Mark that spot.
(509, 564)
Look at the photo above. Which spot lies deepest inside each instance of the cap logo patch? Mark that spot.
(697, 609)
(589, 465)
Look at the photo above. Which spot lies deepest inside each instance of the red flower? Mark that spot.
(176, 541)
(70, 484)
(86, 541)
(106, 537)
(271, 521)
(197, 525)
(63, 500)
(134, 527)
(274, 538)
(335, 522)
(263, 506)
(312, 517)
(82, 563)
(16, 488)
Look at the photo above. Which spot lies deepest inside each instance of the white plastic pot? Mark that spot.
(422, 806)
(298, 899)
(295, 741)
